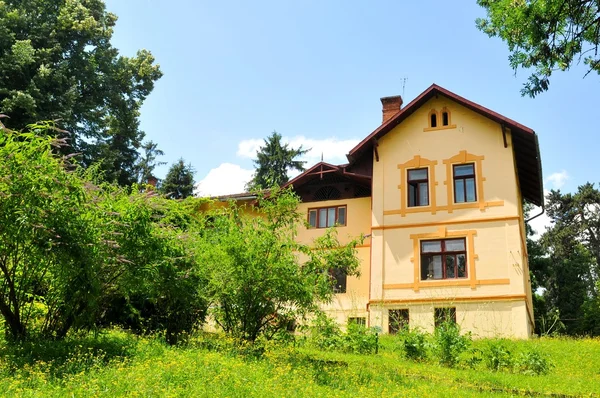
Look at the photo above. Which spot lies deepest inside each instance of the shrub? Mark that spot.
(359, 339)
(497, 356)
(325, 333)
(414, 344)
(533, 363)
(449, 343)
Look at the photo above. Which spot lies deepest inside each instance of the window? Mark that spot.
(326, 217)
(361, 320)
(443, 259)
(445, 118)
(418, 187)
(339, 280)
(444, 315)
(433, 119)
(464, 183)
(397, 320)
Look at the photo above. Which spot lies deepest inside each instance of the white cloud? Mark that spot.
(557, 180)
(333, 150)
(226, 179)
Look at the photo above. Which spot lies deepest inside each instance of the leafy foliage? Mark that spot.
(273, 162)
(545, 35)
(564, 262)
(69, 248)
(359, 339)
(57, 63)
(449, 344)
(257, 283)
(497, 356)
(50, 250)
(414, 344)
(179, 182)
(533, 362)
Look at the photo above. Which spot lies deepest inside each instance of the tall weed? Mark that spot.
(449, 344)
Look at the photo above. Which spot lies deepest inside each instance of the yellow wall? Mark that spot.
(354, 302)
(495, 298)
(494, 295)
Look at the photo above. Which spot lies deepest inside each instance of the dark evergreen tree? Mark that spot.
(179, 182)
(147, 162)
(564, 262)
(273, 161)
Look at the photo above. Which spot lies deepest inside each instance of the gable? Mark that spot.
(325, 181)
(524, 140)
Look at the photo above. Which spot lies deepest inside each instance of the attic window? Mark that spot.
(439, 120)
(445, 118)
(433, 120)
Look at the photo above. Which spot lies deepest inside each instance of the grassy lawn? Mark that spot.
(117, 364)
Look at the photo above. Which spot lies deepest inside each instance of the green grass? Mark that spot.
(118, 364)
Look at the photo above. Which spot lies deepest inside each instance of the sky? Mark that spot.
(314, 71)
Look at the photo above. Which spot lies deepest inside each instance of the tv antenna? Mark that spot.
(404, 79)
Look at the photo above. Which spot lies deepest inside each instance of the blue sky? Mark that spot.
(314, 71)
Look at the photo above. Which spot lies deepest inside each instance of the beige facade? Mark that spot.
(438, 188)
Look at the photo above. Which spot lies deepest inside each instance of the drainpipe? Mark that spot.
(537, 215)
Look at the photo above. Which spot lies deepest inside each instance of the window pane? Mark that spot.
(462, 265)
(437, 267)
(431, 246)
(455, 245)
(450, 262)
(341, 215)
(443, 315)
(425, 260)
(312, 218)
(322, 218)
(431, 267)
(411, 195)
(331, 217)
(470, 189)
(417, 174)
(459, 190)
(423, 194)
(397, 320)
(464, 170)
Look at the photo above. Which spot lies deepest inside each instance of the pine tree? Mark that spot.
(273, 162)
(179, 182)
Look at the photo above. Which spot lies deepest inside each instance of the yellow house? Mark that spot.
(438, 188)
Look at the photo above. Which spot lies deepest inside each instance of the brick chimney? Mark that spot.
(391, 106)
(152, 181)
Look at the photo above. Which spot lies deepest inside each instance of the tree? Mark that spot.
(564, 262)
(51, 244)
(179, 182)
(273, 162)
(545, 35)
(57, 63)
(260, 278)
(148, 162)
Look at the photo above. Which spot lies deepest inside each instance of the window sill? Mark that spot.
(451, 126)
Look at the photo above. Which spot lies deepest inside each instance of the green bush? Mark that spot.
(449, 344)
(359, 339)
(533, 362)
(497, 356)
(414, 344)
(325, 333)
